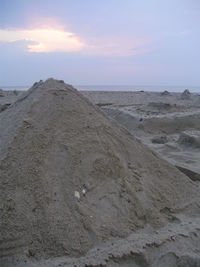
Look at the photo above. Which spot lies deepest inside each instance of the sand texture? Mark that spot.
(169, 123)
(136, 211)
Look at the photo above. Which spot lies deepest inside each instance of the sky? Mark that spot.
(100, 42)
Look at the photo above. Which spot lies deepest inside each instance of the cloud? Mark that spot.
(40, 40)
(46, 39)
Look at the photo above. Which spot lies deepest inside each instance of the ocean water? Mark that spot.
(137, 88)
(151, 88)
(13, 88)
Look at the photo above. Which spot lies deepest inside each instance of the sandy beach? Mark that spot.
(99, 133)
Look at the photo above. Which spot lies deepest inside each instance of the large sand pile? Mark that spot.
(54, 142)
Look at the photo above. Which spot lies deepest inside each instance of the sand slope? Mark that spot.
(54, 141)
(167, 123)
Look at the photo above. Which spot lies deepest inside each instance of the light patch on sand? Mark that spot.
(43, 39)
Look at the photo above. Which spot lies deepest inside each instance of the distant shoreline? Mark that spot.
(124, 88)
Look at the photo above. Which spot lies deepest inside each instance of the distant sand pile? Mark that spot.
(1, 93)
(70, 178)
(186, 94)
(165, 93)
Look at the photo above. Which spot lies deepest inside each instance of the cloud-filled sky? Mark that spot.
(101, 42)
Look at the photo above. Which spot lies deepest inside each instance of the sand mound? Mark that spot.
(190, 139)
(54, 143)
(186, 94)
(171, 124)
(1, 93)
(161, 139)
(4, 107)
(165, 93)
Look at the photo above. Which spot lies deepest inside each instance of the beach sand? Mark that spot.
(167, 123)
(77, 189)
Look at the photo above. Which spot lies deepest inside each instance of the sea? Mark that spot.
(149, 88)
